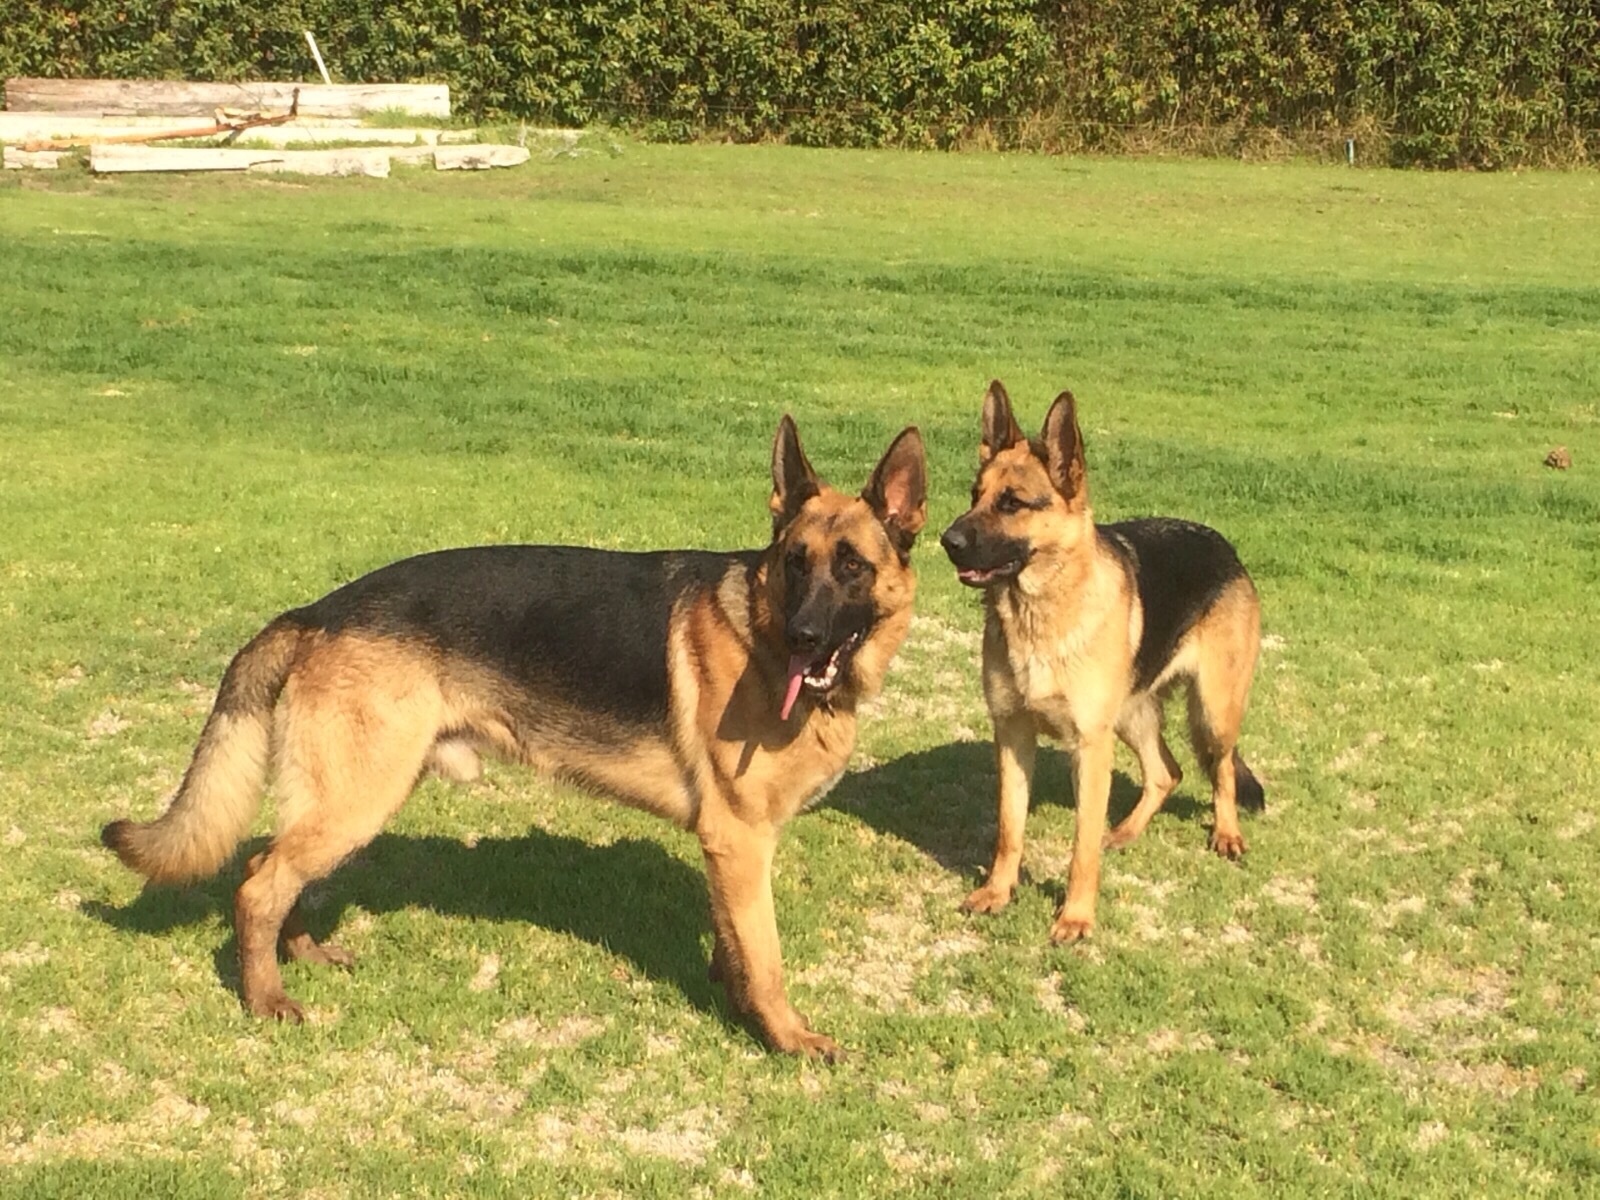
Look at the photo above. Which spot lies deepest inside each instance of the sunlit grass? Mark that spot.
(221, 397)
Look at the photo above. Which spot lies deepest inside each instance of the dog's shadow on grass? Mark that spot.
(629, 897)
(942, 800)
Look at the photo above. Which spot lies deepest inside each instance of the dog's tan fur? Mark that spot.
(1058, 659)
(355, 718)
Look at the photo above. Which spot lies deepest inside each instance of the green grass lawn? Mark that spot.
(220, 397)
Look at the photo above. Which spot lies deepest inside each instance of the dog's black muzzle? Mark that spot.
(982, 558)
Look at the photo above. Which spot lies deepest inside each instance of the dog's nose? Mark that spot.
(804, 637)
(955, 539)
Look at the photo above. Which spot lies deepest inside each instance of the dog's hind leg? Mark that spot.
(1230, 639)
(295, 941)
(261, 908)
(355, 735)
(1140, 728)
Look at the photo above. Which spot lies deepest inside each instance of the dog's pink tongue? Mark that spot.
(797, 670)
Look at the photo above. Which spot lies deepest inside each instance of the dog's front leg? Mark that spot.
(1093, 780)
(747, 956)
(1015, 746)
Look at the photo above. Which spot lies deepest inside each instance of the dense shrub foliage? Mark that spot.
(1466, 82)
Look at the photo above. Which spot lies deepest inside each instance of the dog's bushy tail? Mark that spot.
(1247, 789)
(221, 791)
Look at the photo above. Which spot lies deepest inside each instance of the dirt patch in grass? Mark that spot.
(1415, 1073)
(30, 955)
(933, 681)
(906, 1159)
(152, 1133)
(593, 1136)
(56, 1021)
(686, 1137)
(1048, 991)
(107, 724)
(1451, 1030)
(896, 951)
(1461, 1003)
(1351, 755)
(1166, 1042)
(530, 1031)
(488, 972)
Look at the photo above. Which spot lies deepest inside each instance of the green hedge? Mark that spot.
(1482, 83)
(1479, 83)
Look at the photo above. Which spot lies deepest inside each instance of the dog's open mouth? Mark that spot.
(818, 672)
(984, 576)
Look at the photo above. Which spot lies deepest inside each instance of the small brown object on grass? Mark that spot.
(1560, 458)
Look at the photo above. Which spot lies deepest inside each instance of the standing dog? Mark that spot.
(1089, 628)
(717, 690)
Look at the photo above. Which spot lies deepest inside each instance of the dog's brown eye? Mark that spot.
(852, 565)
(1009, 502)
(796, 561)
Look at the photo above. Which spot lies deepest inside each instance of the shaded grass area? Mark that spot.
(219, 398)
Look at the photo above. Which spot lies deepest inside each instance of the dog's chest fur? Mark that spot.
(1061, 648)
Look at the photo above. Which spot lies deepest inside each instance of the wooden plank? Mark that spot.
(478, 157)
(120, 158)
(282, 135)
(266, 135)
(119, 97)
(43, 126)
(38, 160)
(414, 155)
(355, 161)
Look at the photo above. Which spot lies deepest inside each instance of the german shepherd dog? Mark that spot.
(1089, 628)
(717, 690)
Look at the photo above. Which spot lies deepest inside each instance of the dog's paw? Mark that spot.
(792, 1034)
(1229, 845)
(1120, 838)
(329, 955)
(1071, 929)
(280, 1007)
(987, 900)
(319, 954)
(817, 1045)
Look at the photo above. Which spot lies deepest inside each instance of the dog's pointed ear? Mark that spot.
(793, 480)
(1063, 448)
(1000, 428)
(898, 490)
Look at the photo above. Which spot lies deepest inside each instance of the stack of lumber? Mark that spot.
(156, 125)
(19, 128)
(174, 98)
(347, 160)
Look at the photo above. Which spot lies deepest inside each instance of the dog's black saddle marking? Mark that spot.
(1180, 569)
(585, 626)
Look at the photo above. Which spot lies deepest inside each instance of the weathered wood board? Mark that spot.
(38, 160)
(264, 135)
(354, 161)
(128, 97)
(42, 126)
(478, 157)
